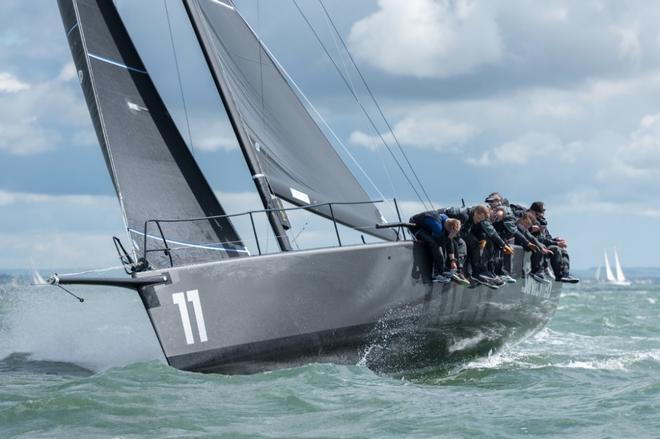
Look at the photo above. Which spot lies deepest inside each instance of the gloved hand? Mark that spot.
(533, 247)
(482, 244)
(507, 250)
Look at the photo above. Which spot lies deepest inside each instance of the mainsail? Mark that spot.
(620, 277)
(295, 159)
(152, 169)
(609, 276)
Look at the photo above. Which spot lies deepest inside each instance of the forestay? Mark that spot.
(153, 172)
(297, 160)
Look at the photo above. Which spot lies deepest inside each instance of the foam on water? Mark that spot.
(109, 329)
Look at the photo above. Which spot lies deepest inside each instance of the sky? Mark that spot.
(559, 103)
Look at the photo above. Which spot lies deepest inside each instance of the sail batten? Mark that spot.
(153, 172)
(286, 145)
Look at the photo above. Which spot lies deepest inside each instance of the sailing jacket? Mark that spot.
(433, 222)
(483, 230)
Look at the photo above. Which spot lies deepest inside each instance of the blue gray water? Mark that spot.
(94, 370)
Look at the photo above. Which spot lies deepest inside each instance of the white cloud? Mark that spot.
(427, 38)
(592, 201)
(69, 230)
(26, 137)
(214, 135)
(68, 72)
(630, 46)
(58, 250)
(424, 130)
(11, 84)
(14, 198)
(639, 159)
(42, 117)
(527, 148)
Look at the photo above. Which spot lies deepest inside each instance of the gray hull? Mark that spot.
(371, 302)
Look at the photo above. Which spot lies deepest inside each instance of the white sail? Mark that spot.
(597, 275)
(609, 276)
(617, 266)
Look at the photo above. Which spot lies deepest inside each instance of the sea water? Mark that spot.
(94, 370)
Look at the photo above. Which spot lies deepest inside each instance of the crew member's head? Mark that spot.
(494, 199)
(497, 214)
(538, 208)
(481, 213)
(453, 227)
(527, 220)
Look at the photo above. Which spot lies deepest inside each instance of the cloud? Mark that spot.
(25, 137)
(639, 159)
(427, 38)
(42, 117)
(71, 230)
(527, 148)
(214, 135)
(592, 201)
(15, 198)
(629, 45)
(425, 131)
(11, 84)
(57, 250)
(68, 72)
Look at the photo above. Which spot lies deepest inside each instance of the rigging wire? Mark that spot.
(178, 75)
(325, 49)
(373, 98)
(339, 54)
(347, 72)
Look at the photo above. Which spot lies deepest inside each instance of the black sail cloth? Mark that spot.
(153, 171)
(297, 160)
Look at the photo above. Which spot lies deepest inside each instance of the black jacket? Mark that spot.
(483, 230)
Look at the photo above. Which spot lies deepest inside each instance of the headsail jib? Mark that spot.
(153, 171)
(279, 137)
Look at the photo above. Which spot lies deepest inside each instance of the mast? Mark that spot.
(258, 176)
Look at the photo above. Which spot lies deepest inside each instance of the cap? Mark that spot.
(537, 206)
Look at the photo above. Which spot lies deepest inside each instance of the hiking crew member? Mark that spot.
(437, 230)
(477, 231)
(485, 239)
(506, 225)
(559, 259)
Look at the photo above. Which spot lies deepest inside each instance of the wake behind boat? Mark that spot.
(216, 306)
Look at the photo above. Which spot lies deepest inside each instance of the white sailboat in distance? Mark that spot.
(610, 277)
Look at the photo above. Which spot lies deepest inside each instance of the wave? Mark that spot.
(109, 329)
